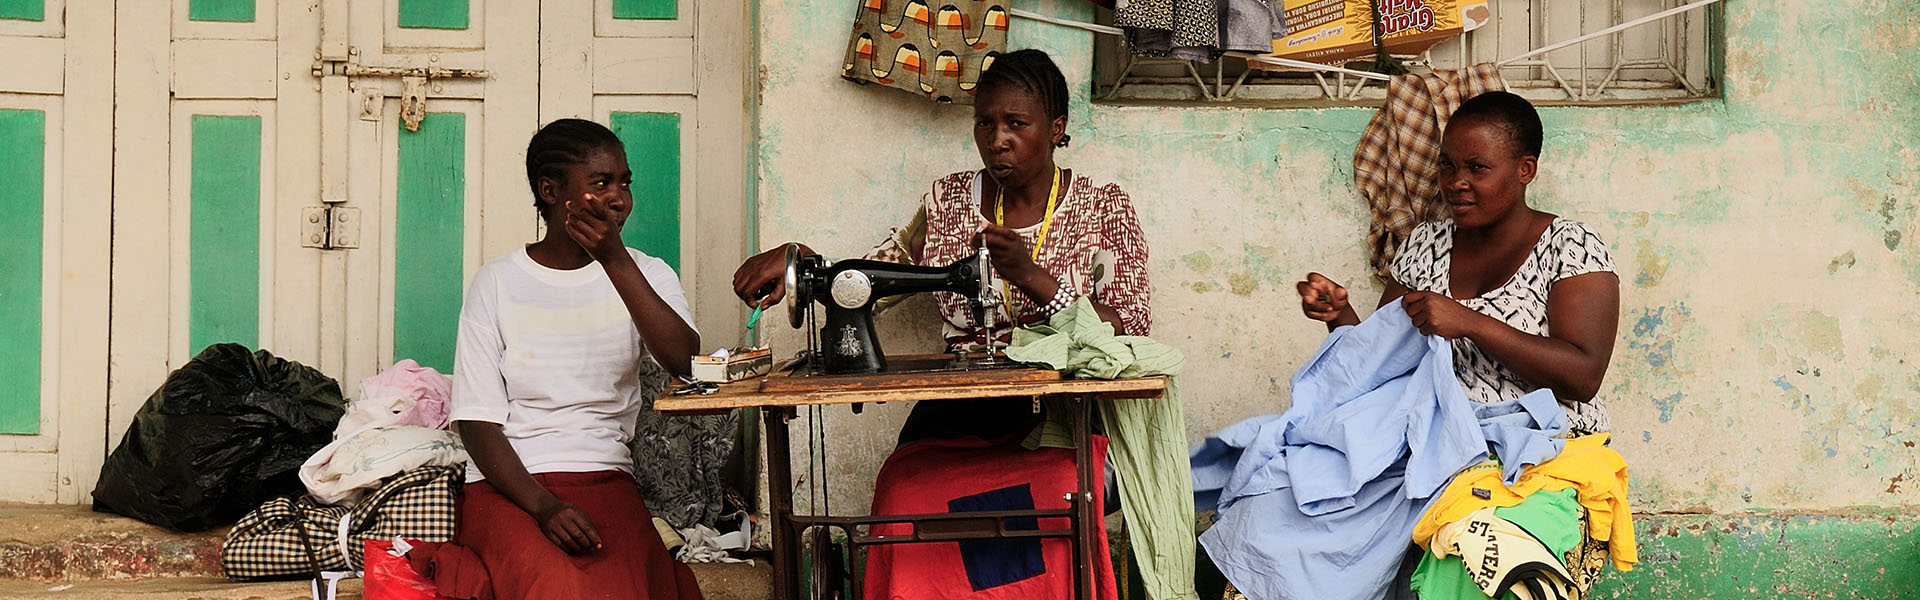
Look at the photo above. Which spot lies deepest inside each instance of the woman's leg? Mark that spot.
(631, 563)
(520, 561)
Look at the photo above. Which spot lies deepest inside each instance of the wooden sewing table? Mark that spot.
(780, 394)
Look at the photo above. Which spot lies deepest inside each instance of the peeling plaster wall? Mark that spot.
(1767, 356)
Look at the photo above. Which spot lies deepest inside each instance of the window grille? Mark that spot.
(1663, 61)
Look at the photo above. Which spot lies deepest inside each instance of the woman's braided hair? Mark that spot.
(562, 143)
(1033, 71)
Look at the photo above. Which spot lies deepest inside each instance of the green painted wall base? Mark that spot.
(1867, 553)
(1870, 553)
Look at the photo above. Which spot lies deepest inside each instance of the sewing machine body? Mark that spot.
(847, 291)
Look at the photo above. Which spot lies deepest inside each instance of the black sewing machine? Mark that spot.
(848, 289)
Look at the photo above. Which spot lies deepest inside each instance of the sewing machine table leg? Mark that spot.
(786, 542)
(1085, 518)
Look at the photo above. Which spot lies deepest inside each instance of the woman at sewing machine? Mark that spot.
(555, 342)
(1054, 235)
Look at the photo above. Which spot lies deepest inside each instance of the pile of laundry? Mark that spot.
(1382, 451)
(398, 423)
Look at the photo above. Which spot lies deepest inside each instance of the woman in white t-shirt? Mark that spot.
(546, 386)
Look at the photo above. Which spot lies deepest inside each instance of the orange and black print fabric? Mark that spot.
(933, 50)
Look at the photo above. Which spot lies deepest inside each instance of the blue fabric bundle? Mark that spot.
(1320, 502)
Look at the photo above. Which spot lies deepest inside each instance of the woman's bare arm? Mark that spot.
(1583, 317)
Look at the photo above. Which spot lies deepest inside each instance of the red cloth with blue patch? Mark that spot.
(968, 475)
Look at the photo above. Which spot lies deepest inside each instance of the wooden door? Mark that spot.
(55, 186)
(322, 179)
(669, 77)
(215, 123)
(438, 191)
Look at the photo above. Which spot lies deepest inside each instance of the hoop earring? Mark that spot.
(1064, 140)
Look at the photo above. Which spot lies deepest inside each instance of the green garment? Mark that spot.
(1147, 439)
(1553, 518)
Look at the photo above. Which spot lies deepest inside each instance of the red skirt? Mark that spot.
(966, 475)
(522, 563)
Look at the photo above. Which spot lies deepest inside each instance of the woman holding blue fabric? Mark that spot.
(1529, 299)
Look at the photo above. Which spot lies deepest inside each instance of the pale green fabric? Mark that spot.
(1147, 439)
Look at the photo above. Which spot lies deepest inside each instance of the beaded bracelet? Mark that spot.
(1063, 297)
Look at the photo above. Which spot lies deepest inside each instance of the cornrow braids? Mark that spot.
(561, 143)
(1512, 113)
(1033, 71)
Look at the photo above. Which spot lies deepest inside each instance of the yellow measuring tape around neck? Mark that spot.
(1046, 223)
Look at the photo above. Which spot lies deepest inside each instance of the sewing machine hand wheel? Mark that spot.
(796, 298)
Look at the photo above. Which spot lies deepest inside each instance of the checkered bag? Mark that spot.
(294, 537)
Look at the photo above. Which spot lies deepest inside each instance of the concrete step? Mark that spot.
(46, 547)
(73, 543)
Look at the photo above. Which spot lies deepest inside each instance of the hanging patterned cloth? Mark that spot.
(938, 53)
(1184, 29)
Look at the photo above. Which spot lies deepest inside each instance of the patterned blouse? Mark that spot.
(1566, 249)
(1094, 243)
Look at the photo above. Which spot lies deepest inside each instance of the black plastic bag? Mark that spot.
(224, 433)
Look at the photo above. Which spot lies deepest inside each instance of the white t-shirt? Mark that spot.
(553, 357)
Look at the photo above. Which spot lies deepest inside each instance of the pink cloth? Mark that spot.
(404, 394)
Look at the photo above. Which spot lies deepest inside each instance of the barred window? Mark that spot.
(1671, 60)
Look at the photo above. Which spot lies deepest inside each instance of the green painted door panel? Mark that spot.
(23, 163)
(652, 10)
(224, 240)
(229, 11)
(433, 14)
(653, 152)
(429, 240)
(23, 10)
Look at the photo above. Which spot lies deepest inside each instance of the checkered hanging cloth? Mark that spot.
(295, 537)
(1397, 164)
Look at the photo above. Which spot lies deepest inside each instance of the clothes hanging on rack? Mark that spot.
(1200, 30)
(1472, 19)
(1397, 163)
(1183, 29)
(937, 54)
(1250, 25)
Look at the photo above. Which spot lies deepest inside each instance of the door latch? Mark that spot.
(413, 81)
(330, 227)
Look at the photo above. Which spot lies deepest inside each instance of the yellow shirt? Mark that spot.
(1596, 473)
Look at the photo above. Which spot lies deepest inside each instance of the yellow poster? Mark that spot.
(1336, 31)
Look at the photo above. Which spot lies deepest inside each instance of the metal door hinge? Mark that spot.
(330, 227)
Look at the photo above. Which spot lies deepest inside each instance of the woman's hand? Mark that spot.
(567, 527)
(1012, 257)
(1435, 314)
(1323, 300)
(761, 281)
(594, 223)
